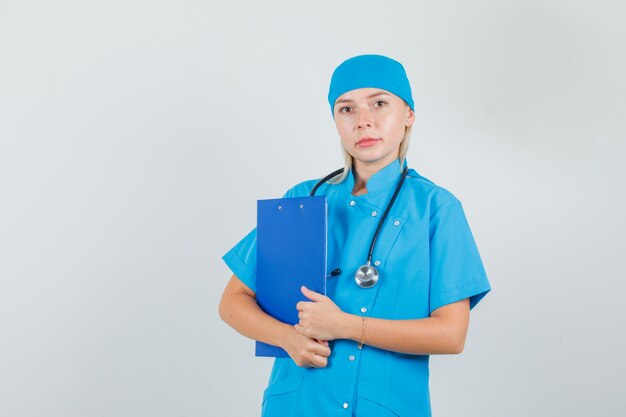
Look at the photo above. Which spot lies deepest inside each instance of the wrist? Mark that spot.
(353, 327)
(284, 333)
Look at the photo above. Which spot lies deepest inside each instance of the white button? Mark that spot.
(377, 263)
(374, 213)
(352, 358)
(396, 223)
(363, 310)
(345, 405)
(352, 203)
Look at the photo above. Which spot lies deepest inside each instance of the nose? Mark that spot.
(365, 118)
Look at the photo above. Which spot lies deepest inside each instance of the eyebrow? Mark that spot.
(380, 93)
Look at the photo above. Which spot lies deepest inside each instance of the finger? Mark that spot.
(323, 342)
(319, 361)
(322, 350)
(311, 295)
(300, 329)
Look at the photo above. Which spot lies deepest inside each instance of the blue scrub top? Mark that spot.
(427, 258)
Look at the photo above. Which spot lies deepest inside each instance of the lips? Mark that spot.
(367, 142)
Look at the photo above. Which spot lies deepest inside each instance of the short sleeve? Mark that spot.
(457, 271)
(241, 259)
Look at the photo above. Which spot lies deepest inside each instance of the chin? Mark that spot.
(370, 160)
(373, 158)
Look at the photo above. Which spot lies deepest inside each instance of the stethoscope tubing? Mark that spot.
(385, 214)
(323, 180)
(374, 273)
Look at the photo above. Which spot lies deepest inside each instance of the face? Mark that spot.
(371, 123)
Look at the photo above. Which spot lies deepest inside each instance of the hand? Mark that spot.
(320, 318)
(305, 351)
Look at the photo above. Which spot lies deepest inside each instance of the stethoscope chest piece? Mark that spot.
(366, 276)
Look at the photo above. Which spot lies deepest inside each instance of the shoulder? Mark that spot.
(430, 193)
(302, 189)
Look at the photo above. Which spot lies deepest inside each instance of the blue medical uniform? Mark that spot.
(427, 258)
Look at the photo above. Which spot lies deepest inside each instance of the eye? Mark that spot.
(345, 109)
(380, 103)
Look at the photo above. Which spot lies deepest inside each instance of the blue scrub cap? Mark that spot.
(370, 71)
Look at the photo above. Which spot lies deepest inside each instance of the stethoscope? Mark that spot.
(367, 275)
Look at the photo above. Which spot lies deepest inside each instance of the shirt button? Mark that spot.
(363, 310)
(352, 358)
(352, 203)
(377, 263)
(345, 405)
(374, 213)
(396, 223)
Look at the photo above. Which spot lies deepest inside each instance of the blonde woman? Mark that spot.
(410, 269)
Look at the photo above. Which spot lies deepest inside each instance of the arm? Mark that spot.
(238, 308)
(443, 332)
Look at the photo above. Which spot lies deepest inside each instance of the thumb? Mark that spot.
(311, 295)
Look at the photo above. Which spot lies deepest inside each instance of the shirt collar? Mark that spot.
(382, 179)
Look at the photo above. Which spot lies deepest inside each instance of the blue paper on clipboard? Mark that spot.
(291, 252)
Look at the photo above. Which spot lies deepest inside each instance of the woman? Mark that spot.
(362, 350)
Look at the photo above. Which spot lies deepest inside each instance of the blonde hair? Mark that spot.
(347, 158)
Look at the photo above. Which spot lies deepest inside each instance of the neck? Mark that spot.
(363, 171)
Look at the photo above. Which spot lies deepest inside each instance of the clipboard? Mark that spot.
(291, 252)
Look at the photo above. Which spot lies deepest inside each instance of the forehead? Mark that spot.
(364, 94)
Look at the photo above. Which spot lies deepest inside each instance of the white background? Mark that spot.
(136, 136)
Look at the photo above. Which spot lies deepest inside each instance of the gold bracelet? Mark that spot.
(360, 345)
